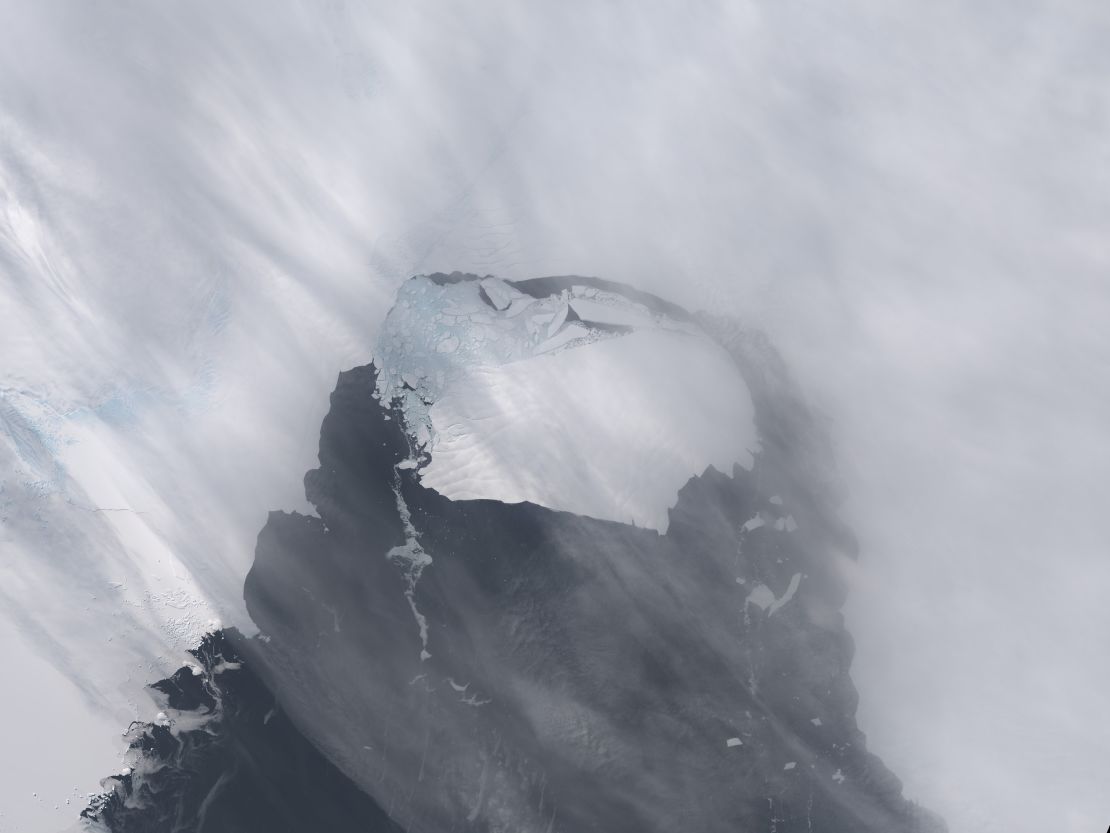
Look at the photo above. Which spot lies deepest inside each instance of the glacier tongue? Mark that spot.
(512, 398)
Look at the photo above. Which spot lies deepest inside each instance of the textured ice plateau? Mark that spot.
(583, 401)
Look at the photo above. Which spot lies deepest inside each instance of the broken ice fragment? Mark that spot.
(754, 523)
(500, 294)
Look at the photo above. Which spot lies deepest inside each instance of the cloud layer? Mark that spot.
(204, 212)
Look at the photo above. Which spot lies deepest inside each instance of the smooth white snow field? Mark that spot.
(612, 429)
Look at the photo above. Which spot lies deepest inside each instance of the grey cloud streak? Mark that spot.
(205, 210)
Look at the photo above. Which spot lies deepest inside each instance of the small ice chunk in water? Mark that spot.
(499, 293)
(731, 742)
(762, 597)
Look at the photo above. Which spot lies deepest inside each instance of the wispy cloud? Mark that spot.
(205, 210)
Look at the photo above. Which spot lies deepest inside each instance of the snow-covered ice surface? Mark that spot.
(595, 436)
(513, 402)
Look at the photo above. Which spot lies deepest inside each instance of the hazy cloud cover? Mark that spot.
(206, 208)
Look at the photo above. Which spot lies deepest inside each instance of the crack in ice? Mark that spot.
(411, 559)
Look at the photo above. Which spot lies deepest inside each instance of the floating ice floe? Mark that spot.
(764, 597)
(754, 523)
